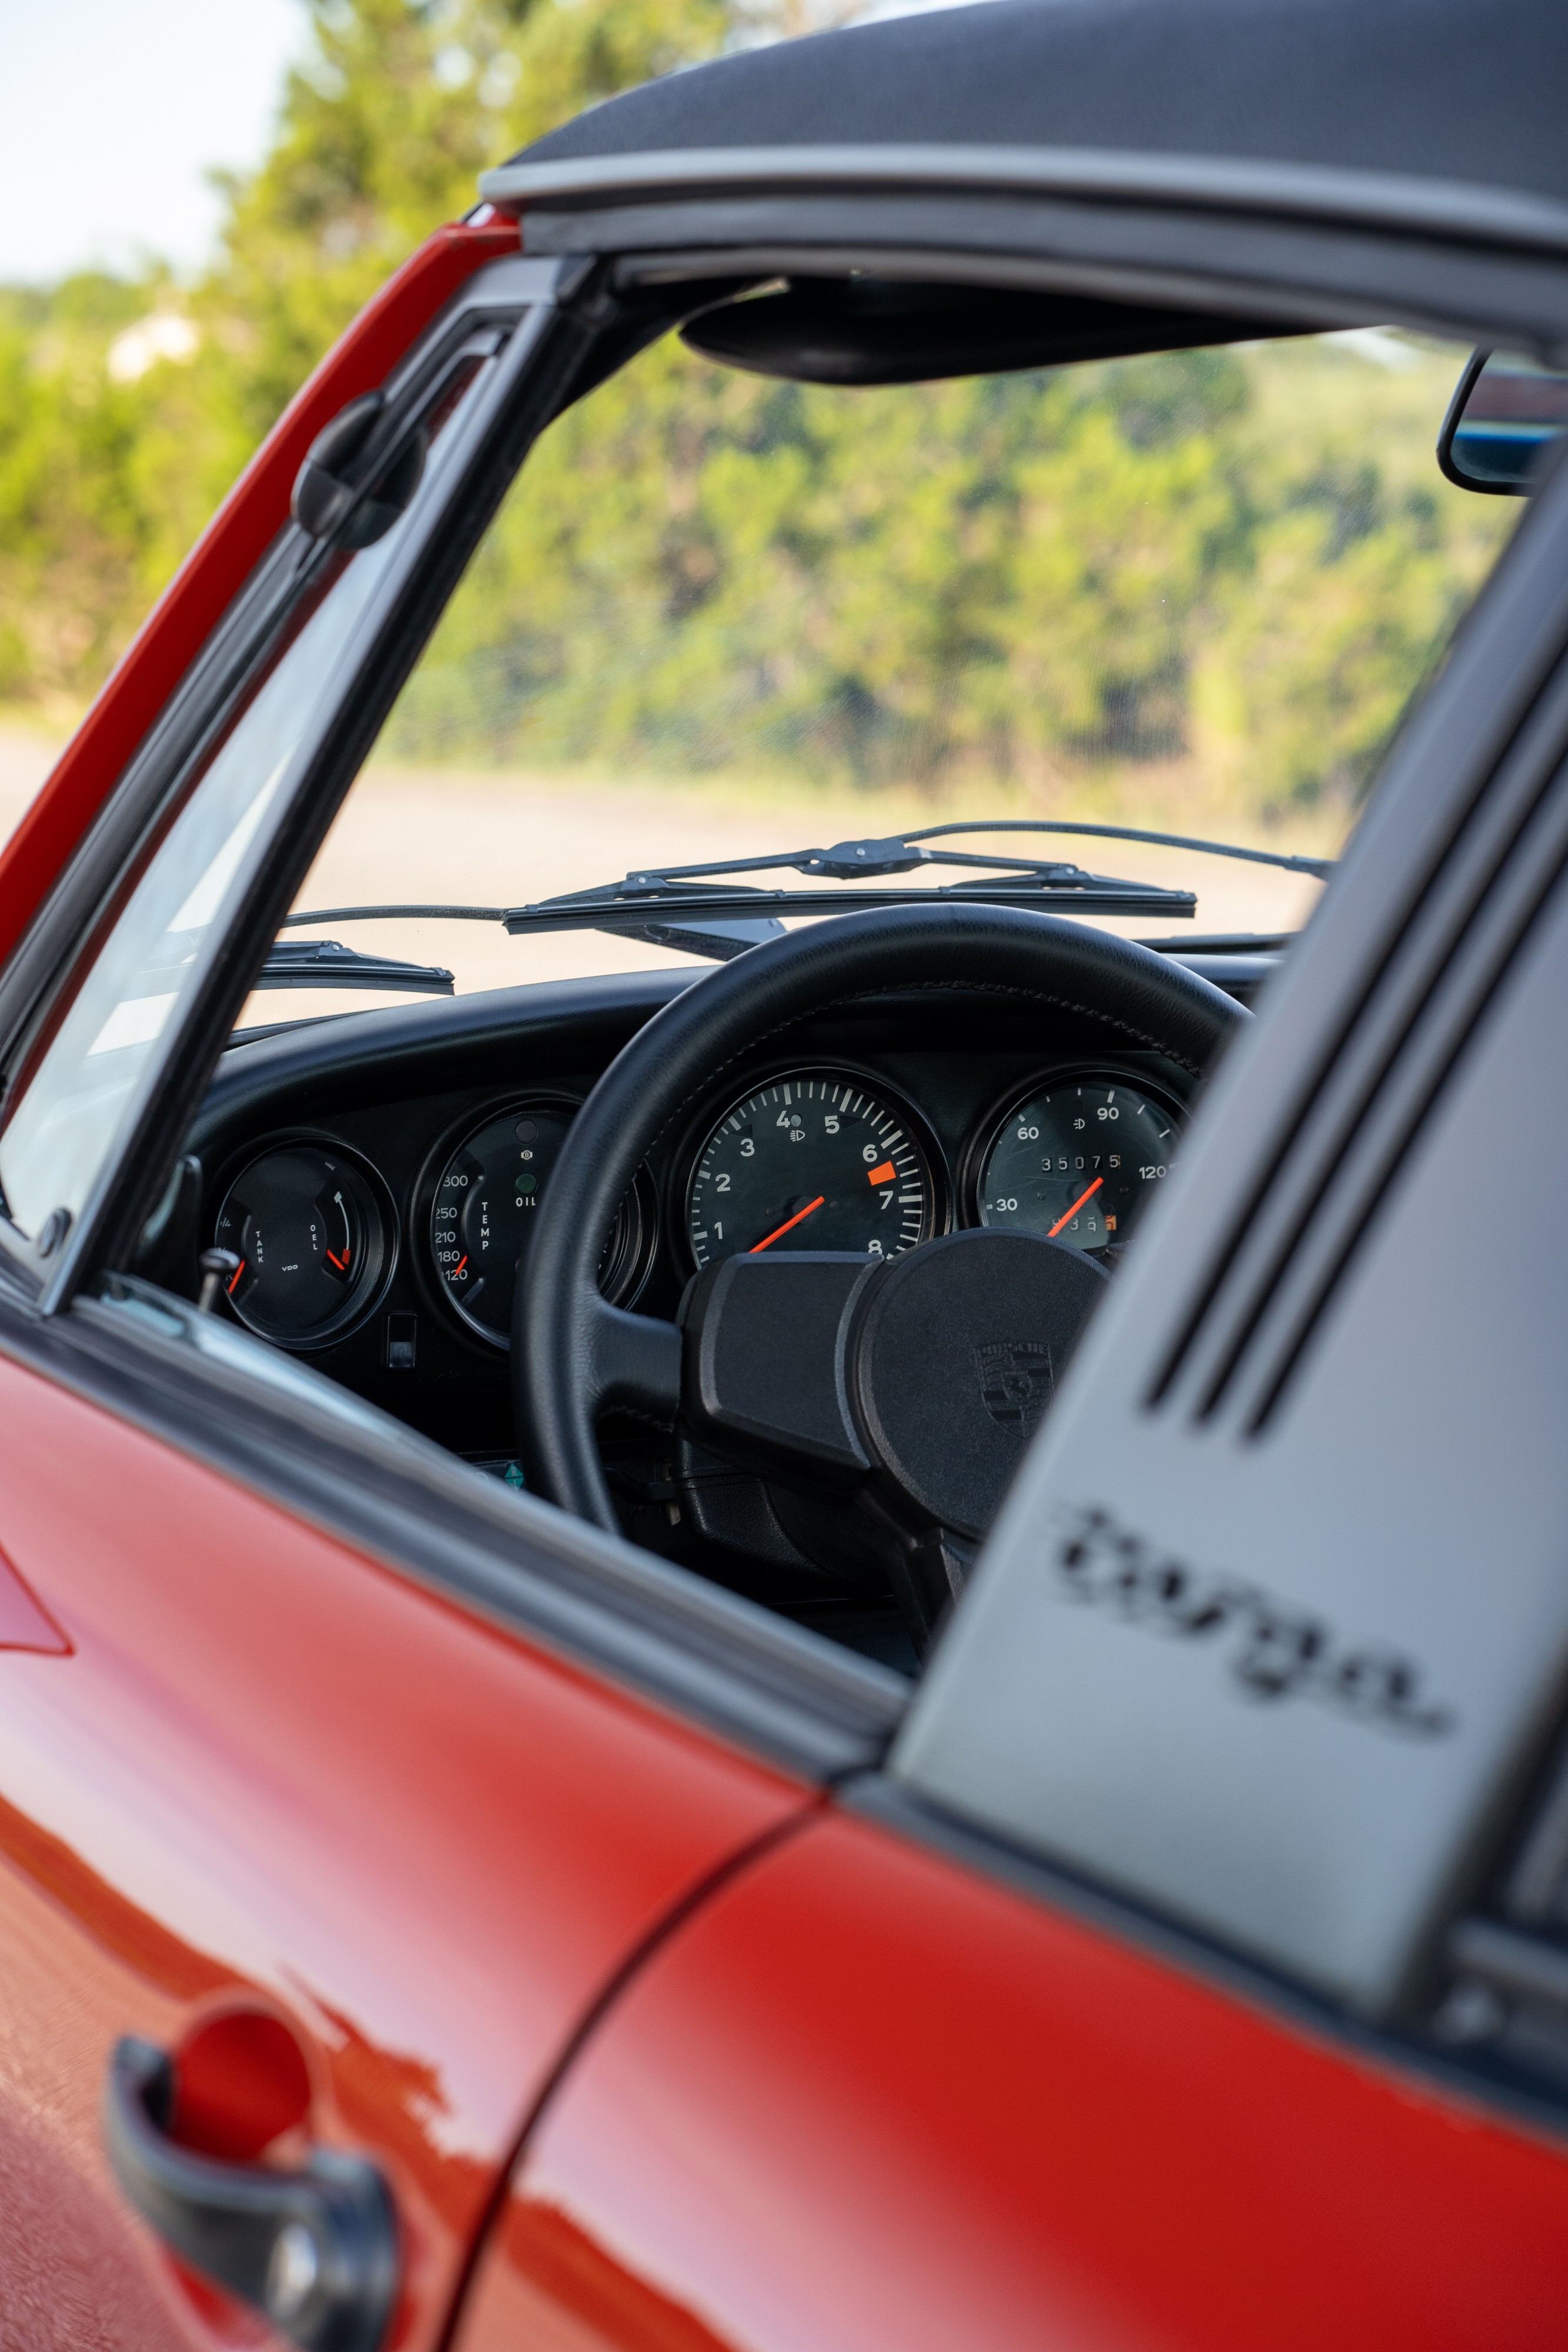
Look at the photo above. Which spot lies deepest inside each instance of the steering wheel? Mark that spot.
(836, 1378)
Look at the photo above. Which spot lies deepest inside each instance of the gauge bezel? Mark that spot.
(718, 1104)
(987, 1130)
(632, 1261)
(380, 1264)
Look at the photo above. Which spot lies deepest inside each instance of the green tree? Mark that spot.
(383, 127)
(1244, 556)
(1004, 581)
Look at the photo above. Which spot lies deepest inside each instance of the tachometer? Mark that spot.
(1077, 1160)
(813, 1160)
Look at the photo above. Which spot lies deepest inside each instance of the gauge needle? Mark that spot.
(1056, 1228)
(799, 1218)
(234, 1283)
(341, 1262)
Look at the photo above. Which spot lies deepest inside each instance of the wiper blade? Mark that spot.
(644, 902)
(327, 963)
(721, 923)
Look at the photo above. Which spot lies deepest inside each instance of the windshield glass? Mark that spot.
(722, 616)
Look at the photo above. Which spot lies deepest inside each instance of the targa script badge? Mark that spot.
(1272, 1650)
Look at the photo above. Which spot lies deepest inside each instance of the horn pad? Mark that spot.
(957, 1353)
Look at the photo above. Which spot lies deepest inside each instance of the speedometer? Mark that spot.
(1077, 1159)
(812, 1160)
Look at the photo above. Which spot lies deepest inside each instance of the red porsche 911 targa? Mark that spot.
(804, 1640)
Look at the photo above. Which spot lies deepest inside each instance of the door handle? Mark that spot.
(315, 2250)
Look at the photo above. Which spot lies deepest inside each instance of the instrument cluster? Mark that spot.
(813, 1156)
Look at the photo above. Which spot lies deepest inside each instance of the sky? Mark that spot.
(112, 110)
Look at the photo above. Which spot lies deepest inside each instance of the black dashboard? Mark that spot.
(374, 1174)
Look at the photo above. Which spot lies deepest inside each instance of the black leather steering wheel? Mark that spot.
(815, 1368)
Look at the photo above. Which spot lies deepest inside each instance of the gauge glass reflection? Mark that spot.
(482, 1218)
(310, 1239)
(1078, 1161)
(814, 1161)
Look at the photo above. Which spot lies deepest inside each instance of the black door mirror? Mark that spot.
(1506, 417)
(330, 492)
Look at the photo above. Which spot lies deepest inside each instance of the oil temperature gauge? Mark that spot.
(482, 1216)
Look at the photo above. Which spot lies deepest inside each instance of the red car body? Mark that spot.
(656, 2044)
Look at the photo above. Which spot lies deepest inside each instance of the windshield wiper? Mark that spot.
(901, 853)
(327, 963)
(675, 906)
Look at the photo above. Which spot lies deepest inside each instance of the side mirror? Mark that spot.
(1506, 417)
(331, 498)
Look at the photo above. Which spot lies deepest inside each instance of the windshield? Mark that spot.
(720, 617)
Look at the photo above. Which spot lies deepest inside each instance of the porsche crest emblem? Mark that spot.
(1016, 1381)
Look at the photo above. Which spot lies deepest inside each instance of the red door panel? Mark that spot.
(867, 2100)
(269, 1773)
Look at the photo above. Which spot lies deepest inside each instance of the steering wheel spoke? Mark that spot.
(633, 1363)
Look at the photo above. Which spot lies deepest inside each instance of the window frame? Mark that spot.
(592, 312)
(534, 369)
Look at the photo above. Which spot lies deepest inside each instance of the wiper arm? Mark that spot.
(677, 906)
(672, 892)
(901, 853)
(327, 963)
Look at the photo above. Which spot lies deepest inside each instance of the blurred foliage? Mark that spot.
(1248, 556)
(106, 477)
(1009, 582)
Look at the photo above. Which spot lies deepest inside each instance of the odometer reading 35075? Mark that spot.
(810, 1161)
(1077, 1160)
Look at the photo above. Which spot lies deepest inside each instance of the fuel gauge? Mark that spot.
(311, 1240)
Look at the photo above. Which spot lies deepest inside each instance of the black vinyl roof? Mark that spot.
(1467, 92)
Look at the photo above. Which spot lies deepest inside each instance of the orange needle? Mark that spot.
(1076, 1206)
(799, 1217)
(234, 1285)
